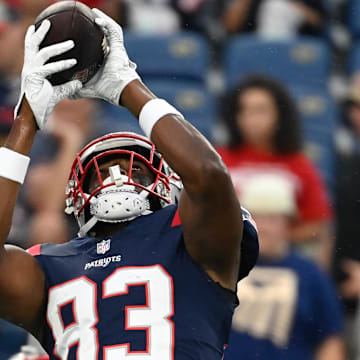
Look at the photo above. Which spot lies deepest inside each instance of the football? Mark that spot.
(73, 20)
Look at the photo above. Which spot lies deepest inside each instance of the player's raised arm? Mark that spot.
(21, 278)
(209, 210)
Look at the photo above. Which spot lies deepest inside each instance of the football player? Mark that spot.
(153, 272)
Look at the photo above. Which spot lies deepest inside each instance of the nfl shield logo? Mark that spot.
(103, 246)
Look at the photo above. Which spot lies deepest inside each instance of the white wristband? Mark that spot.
(13, 166)
(152, 112)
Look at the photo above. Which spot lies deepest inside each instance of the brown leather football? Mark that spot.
(73, 20)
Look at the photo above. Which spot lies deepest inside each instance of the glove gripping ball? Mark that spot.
(73, 20)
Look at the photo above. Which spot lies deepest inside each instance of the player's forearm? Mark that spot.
(183, 147)
(23, 131)
(20, 140)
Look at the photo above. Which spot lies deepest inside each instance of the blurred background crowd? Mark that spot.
(275, 86)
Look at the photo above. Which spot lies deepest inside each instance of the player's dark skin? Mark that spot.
(209, 210)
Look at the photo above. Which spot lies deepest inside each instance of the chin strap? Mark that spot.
(87, 227)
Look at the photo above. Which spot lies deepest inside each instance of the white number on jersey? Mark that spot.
(154, 317)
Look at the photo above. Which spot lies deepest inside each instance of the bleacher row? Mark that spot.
(176, 67)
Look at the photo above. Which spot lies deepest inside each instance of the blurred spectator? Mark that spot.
(348, 190)
(275, 18)
(116, 9)
(347, 197)
(152, 16)
(11, 60)
(6, 120)
(350, 289)
(204, 16)
(289, 309)
(28, 10)
(191, 13)
(265, 137)
(347, 138)
(5, 13)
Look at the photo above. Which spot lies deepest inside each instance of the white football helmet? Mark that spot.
(118, 198)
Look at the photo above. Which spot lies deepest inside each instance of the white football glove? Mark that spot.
(40, 94)
(117, 72)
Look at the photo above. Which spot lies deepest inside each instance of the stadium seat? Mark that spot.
(304, 61)
(193, 100)
(320, 149)
(190, 98)
(318, 109)
(319, 116)
(354, 58)
(116, 119)
(183, 55)
(353, 16)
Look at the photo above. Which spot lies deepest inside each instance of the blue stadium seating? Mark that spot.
(354, 17)
(118, 119)
(321, 150)
(318, 109)
(182, 55)
(304, 61)
(193, 100)
(354, 58)
(190, 98)
(320, 120)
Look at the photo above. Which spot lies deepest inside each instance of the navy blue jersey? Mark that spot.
(288, 309)
(136, 294)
